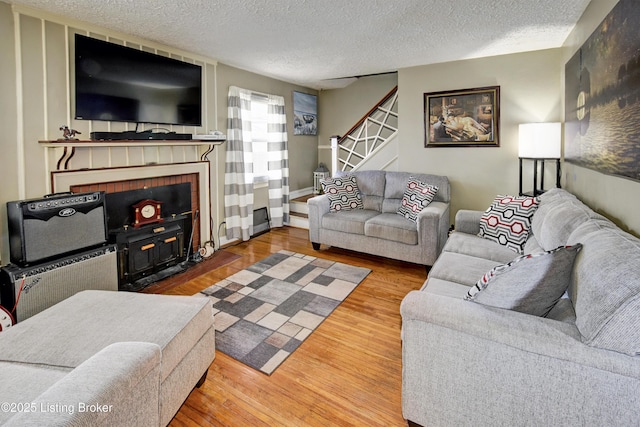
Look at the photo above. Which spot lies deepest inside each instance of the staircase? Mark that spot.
(371, 142)
(368, 137)
(299, 211)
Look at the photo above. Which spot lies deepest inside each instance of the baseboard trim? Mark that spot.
(299, 193)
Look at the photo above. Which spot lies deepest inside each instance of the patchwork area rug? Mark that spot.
(263, 313)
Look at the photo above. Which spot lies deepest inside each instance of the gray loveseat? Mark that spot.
(105, 358)
(378, 229)
(470, 364)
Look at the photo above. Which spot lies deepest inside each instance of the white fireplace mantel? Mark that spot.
(118, 153)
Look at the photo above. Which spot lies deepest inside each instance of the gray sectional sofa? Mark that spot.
(377, 229)
(465, 363)
(105, 358)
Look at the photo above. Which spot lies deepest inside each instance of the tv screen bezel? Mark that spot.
(143, 57)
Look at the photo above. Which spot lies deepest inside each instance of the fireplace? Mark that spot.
(118, 179)
(147, 249)
(179, 201)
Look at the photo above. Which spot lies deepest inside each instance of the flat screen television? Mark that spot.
(118, 83)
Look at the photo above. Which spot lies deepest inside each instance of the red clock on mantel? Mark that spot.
(147, 211)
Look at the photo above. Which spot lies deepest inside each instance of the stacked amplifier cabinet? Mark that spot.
(40, 286)
(42, 229)
(58, 247)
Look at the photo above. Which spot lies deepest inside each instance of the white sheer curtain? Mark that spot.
(239, 178)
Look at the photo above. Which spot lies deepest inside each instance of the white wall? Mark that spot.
(532, 90)
(529, 92)
(303, 153)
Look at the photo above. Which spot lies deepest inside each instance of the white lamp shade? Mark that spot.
(540, 140)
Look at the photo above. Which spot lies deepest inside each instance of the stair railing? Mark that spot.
(370, 133)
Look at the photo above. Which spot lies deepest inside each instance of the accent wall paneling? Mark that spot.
(36, 94)
(33, 114)
(36, 79)
(44, 93)
(78, 154)
(8, 97)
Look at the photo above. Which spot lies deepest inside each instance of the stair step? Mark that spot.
(299, 211)
(298, 208)
(303, 199)
(299, 221)
(299, 204)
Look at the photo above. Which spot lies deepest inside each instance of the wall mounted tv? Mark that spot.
(118, 83)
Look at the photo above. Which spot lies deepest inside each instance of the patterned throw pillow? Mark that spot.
(416, 197)
(343, 193)
(530, 284)
(507, 221)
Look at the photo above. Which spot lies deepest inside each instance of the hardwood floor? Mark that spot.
(347, 373)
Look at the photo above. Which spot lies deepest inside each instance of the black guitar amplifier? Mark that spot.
(41, 229)
(40, 286)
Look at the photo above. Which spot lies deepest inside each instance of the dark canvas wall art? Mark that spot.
(602, 99)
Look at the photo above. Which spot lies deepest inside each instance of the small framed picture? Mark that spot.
(462, 118)
(305, 114)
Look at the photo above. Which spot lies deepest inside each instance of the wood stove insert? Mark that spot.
(148, 249)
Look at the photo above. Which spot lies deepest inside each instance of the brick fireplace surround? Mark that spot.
(144, 183)
(119, 179)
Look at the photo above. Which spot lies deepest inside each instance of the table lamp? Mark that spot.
(539, 142)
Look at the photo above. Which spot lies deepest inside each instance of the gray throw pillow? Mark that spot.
(530, 284)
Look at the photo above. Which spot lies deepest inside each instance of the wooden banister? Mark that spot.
(370, 112)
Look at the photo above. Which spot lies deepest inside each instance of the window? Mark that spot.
(259, 108)
(256, 147)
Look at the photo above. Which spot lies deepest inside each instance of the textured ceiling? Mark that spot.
(315, 43)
